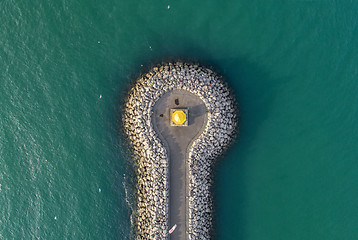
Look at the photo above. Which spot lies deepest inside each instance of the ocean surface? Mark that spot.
(65, 68)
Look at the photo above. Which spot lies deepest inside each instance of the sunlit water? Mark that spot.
(65, 69)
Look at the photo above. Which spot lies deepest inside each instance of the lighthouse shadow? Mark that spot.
(196, 111)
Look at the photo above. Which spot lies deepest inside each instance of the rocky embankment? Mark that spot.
(151, 157)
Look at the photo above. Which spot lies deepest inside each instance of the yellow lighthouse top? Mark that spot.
(179, 117)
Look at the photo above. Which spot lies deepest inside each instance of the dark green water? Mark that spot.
(293, 172)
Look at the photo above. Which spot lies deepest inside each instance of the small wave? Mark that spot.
(129, 199)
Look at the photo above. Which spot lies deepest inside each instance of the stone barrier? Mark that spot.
(151, 157)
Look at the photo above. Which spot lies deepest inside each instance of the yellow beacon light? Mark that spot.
(179, 117)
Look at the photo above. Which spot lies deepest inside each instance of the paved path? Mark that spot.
(177, 139)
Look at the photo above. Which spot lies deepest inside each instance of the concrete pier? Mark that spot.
(173, 162)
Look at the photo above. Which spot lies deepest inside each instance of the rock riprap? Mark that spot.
(151, 156)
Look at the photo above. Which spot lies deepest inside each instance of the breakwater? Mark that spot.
(151, 157)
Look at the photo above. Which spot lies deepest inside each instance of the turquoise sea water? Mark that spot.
(293, 64)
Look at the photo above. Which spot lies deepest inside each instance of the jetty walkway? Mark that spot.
(177, 140)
